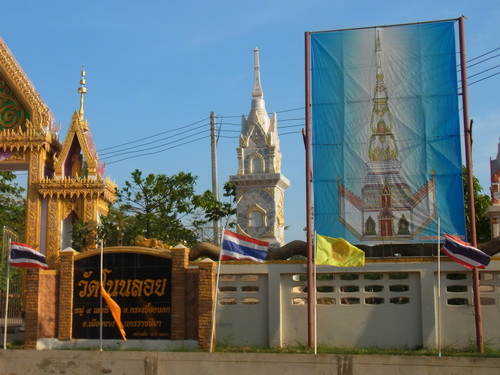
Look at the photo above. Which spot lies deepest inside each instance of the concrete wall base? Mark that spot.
(144, 345)
(77, 362)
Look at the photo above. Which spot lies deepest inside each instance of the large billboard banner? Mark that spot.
(386, 133)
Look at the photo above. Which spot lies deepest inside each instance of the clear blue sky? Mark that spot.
(158, 66)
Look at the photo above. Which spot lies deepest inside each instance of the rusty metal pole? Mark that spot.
(470, 185)
(309, 225)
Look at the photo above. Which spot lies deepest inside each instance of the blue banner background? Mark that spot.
(419, 64)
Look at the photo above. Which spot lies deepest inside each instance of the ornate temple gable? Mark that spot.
(26, 123)
(78, 147)
(493, 211)
(495, 178)
(82, 188)
(22, 88)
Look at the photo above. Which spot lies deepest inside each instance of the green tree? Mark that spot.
(83, 235)
(210, 209)
(118, 228)
(481, 204)
(161, 206)
(12, 203)
(217, 210)
(12, 216)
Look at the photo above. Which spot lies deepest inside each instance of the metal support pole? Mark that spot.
(470, 185)
(309, 223)
(215, 182)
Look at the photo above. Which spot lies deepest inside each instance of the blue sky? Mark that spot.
(159, 66)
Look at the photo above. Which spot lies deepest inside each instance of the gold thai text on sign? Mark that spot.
(121, 287)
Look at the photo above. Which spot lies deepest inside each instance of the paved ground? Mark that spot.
(14, 336)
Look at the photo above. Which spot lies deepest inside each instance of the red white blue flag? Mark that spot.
(239, 247)
(465, 254)
(22, 255)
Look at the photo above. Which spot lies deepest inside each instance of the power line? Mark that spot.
(112, 153)
(482, 61)
(222, 122)
(482, 79)
(484, 54)
(151, 136)
(157, 152)
(484, 71)
(159, 146)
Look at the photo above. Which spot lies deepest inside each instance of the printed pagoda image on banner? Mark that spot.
(386, 146)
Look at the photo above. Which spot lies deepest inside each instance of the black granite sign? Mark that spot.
(139, 283)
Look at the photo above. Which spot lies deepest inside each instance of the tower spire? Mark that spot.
(382, 141)
(82, 90)
(257, 93)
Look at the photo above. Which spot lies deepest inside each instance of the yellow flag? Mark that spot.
(115, 311)
(338, 252)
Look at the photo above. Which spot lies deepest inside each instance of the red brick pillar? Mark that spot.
(180, 261)
(206, 298)
(32, 318)
(66, 276)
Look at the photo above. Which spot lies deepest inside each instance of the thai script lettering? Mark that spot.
(148, 309)
(124, 288)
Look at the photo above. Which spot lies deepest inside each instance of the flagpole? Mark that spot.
(439, 287)
(100, 300)
(214, 319)
(315, 301)
(309, 224)
(470, 183)
(7, 292)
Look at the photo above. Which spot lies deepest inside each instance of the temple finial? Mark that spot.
(82, 90)
(257, 87)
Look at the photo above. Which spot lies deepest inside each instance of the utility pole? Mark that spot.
(215, 188)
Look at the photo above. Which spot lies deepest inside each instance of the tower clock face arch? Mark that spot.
(256, 214)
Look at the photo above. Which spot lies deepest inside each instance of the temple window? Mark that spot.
(370, 226)
(67, 229)
(255, 220)
(256, 217)
(386, 196)
(257, 163)
(403, 226)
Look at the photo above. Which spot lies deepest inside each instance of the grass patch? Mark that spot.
(303, 349)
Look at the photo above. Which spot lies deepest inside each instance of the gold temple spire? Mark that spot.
(82, 90)
(382, 145)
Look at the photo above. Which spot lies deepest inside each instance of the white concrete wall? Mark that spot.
(389, 303)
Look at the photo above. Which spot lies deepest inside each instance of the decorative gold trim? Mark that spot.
(78, 129)
(24, 89)
(164, 253)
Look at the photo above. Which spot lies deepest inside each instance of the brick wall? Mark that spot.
(66, 270)
(32, 307)
(192, 302)
(206, 298)
(180, 263)
(49, 303)
(49, 300)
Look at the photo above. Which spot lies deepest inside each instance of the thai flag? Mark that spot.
(22, 255)
(465, 254)
(238, 247)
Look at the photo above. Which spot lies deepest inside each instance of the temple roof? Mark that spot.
(78, 146)
(258, 116)
(40, 115)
